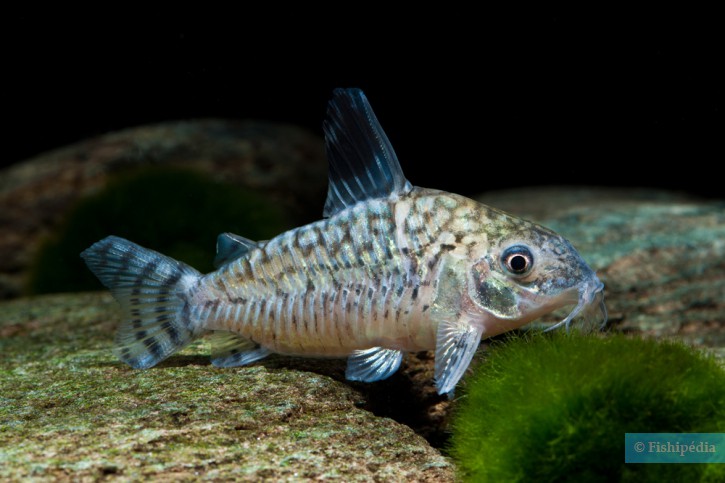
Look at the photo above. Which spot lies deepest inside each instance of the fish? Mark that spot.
(391, 268)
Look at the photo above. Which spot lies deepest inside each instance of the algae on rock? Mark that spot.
(69, 409)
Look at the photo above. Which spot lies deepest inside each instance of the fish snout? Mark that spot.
(590, 298)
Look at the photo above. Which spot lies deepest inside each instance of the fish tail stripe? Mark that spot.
(125, 262)
(153, 291)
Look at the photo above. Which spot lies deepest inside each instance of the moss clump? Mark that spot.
(557, 408)
(178, 213)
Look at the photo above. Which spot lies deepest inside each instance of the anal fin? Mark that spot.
(374, 364)
(230, 350)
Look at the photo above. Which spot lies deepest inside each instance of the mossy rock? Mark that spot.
(557, 408)
(70, 411)
(176, 212)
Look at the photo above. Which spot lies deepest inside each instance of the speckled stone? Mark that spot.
(70, 411)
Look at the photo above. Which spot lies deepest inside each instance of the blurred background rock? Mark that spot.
(252, 177)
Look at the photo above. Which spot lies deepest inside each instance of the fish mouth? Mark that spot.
(591, 297)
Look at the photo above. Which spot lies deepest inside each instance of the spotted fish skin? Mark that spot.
(364, 278)
(361, 279)
(393, 268)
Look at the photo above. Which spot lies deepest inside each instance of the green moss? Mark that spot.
(557, 408)
(175, 212)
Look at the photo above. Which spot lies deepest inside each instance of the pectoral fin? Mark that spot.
(456, 339)
(230, 350)
(374, 364)
(456, 343)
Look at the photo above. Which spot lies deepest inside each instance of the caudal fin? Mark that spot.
(152, 290)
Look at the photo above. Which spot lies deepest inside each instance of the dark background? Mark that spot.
(471, 102)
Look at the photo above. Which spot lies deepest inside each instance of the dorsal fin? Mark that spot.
(229, 247)
(362, 163)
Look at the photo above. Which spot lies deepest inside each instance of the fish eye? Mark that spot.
(517, 260)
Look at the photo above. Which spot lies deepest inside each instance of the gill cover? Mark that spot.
(493, 293)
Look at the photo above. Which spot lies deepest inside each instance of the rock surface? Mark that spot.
(284, 162)
(70, 410)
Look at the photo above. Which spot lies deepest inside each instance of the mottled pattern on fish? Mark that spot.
(346, 283)
(393, 268)
(363, 278)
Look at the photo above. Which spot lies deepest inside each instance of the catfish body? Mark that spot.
(393, 268)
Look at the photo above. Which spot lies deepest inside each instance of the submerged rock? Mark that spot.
(284, 162)
(70, 410)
